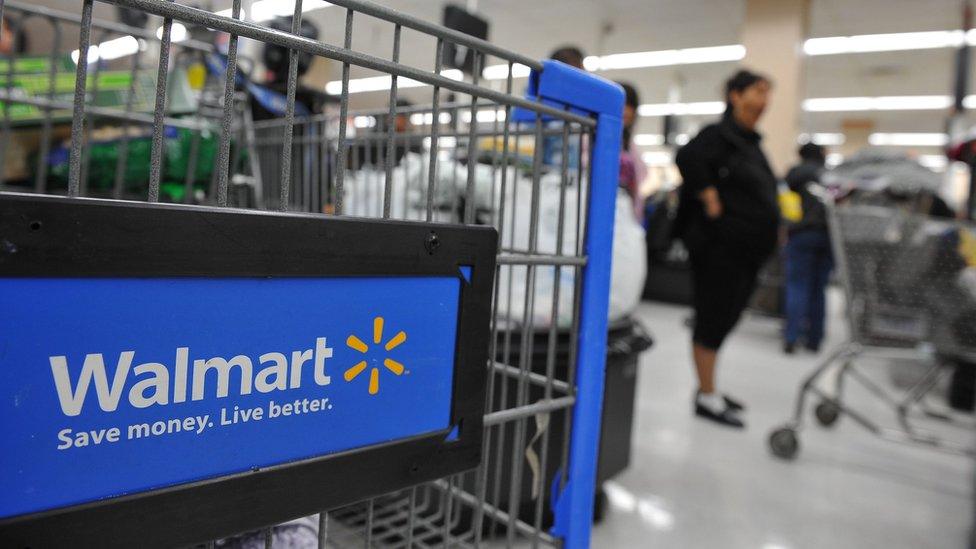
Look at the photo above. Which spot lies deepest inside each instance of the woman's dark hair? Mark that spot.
(631, 99)
(738, 82)
(811, 152)
(571, 55)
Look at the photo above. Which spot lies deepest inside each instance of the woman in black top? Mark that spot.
(728, 219)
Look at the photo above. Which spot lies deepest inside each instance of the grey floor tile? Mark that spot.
(692, 484)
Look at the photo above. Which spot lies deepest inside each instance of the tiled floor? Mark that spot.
(692, 484)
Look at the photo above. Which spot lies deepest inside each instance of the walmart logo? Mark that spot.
(374, 374)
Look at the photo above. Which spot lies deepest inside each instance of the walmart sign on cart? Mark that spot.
(137, 384)
(152, 364)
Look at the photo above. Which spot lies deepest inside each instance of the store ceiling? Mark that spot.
(534, 27)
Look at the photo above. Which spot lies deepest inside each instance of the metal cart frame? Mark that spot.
(575, 109)
(915, 344)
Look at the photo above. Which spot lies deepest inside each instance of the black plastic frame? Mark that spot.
(44, 236)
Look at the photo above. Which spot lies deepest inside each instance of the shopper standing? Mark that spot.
(633, 171)
(728, 219)
(553, 144)
(808, 256)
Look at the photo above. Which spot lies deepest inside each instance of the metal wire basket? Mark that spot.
(540, 169)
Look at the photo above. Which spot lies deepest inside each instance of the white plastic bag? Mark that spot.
(363, 195)
(629, 256)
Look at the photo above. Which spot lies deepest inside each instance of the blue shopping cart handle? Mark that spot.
(575, 90)
(520, 114)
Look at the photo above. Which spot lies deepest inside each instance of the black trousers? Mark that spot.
(723, 280)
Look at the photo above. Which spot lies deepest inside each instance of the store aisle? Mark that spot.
(694, 484)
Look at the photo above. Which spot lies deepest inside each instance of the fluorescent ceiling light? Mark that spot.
(664, 109)
(908, 139)
(373, 83)
(92, 55)
(864, 43)
(110, 49)
(262, 10)
(500, 72)
(665, 58)
(820, 104)
(484, 116)
(117, 47)
(657, 158)
(657, 140)
(381, 83)
(128, 45)
(823, 139)
(648, 140)
(662, 58)
(177, 32)
(266, 10)
(364, 121)
(889, 103)
(425, 119)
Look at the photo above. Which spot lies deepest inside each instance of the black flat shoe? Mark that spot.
(727, 417)
(789, 348)
(733, 404)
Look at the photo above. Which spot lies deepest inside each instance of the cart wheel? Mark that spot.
(783, 443)
(827, 413)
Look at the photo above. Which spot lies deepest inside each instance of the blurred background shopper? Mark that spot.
(728, 219)
(808, 255)
(632, 168)
(569, 54)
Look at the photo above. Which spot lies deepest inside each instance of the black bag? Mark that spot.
(661, 225)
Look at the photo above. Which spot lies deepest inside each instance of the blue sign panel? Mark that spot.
(118, 386)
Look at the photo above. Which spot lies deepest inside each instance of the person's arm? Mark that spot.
(711, 202)
(697, 174)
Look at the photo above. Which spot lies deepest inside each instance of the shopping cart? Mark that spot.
(904, 279)
(541, 170)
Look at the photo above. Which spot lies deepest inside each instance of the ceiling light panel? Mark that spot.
(884, 103)
(866, 43)
(697, 108)
(908, 139)
(665, 58)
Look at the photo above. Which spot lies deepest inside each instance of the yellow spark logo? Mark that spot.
(357, 344)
